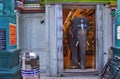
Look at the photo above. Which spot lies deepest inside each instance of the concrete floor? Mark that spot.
(43, 76)
(75, 77)
(81, 77)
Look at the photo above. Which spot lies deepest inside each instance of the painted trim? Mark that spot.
(31, 10)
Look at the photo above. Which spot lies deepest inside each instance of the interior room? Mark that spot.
(68, 15)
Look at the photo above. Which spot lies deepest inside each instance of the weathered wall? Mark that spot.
(107, 32)
(32, 34)
(42, 38)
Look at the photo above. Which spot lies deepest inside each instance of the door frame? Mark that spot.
(55, 57)
(98, 37)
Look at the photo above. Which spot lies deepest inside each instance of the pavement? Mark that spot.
(65, 77)
(81, 77)
(71, 77)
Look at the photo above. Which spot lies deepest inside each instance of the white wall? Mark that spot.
(107, 32)
(41, 38)
(55, 36)
(32, 34)
(103, 35)
(52, 55)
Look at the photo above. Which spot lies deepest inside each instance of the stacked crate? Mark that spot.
(9, 55)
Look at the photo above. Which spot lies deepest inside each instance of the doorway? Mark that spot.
(102, 37)
(68, 15)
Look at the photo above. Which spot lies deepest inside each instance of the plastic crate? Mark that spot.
(9, 59)
(14, 73)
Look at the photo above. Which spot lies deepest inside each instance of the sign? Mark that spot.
(12, 30)
(2, 39)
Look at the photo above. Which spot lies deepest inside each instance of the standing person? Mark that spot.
(81, 26)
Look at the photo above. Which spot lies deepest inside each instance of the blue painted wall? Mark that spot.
(4, 23)
(7, 16)
(117, 25)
